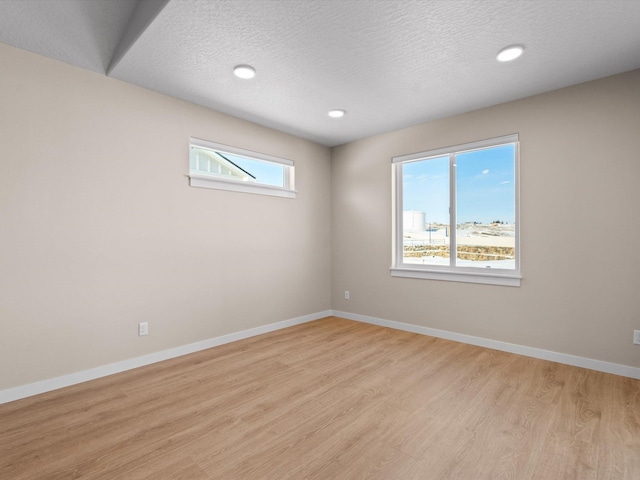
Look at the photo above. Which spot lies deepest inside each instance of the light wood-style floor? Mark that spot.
(331, 399)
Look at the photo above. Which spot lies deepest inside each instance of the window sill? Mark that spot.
(204, 181)
(508, 280)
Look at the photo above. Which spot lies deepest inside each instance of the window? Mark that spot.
(212, 165)
(456, 213)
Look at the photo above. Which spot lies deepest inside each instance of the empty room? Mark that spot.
(319, 239)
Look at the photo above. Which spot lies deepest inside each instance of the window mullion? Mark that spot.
(452, 211)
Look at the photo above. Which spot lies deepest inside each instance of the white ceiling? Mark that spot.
(389, 63)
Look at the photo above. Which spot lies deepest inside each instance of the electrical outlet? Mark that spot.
(636, 337)
(143, 329)
(346, 294)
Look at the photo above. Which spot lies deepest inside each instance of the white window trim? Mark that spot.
(219, 183)
(453, 273)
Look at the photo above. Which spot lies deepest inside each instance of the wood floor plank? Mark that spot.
(183, 469)
(331, 399)
(619, 438)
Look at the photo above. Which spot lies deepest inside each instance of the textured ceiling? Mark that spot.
(389, 63)
(82, 33)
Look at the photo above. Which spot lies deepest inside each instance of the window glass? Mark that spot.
(222, 167)
(456, 212)
(485, 208)
(263, 172)
(425, 222)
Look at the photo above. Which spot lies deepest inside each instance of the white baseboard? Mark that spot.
(43, 386)
(599, 365)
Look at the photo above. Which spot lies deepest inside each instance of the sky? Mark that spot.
(266, 173)
(484, 184)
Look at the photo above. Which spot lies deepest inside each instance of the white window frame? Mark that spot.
(506, 277)
(197, 179)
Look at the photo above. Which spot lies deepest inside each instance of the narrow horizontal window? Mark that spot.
(222, 167)
(456, 213)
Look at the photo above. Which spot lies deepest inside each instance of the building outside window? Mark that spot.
(222, 167)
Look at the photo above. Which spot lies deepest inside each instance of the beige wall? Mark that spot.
(99, 229)
(580, 225)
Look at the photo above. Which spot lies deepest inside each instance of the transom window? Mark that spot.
(213, 165)
(456, 213)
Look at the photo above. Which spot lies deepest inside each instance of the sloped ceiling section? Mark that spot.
(144, 13)
(81, 33)
(388, 63)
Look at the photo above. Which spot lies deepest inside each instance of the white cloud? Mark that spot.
(484, 172)
(505, 182)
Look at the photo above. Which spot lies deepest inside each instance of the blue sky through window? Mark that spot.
(266, 173)
(485, 190)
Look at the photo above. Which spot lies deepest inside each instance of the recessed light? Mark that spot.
(244, 71)
(337, 113)
(510, 53)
